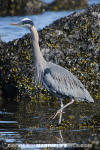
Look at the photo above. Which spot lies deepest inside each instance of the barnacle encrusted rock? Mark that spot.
(72, 42)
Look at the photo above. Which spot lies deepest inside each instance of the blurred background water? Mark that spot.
(8, 33)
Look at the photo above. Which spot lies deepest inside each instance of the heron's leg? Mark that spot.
(60, 118)
(61, 109)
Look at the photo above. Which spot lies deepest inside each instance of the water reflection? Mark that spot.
(29, 124)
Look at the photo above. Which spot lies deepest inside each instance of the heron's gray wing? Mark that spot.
(60, 81)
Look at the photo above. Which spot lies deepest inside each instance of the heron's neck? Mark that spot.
(37, 55)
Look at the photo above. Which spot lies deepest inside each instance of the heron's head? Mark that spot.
(26, 22)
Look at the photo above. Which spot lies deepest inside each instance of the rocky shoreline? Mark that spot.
(30, 7)
(72, 42)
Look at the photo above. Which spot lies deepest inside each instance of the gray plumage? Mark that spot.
(58, 80)
(62, 83)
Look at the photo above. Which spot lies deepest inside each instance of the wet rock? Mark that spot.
(72, 42)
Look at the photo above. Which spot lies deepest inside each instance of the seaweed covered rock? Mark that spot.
(22, 7)
(72, 42)
(68, 4)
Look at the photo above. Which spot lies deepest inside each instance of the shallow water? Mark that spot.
(27, 124)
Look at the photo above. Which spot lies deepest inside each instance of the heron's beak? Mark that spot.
(14, 24)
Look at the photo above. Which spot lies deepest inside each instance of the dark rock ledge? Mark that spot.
(72, 42)
(24, 7)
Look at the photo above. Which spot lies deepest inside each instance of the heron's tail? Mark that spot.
(88, 97)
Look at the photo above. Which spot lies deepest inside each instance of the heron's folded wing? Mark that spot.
(59, 80)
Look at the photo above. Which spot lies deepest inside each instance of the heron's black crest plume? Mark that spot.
(27, 21)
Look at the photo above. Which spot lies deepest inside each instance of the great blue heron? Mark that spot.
(58, 80)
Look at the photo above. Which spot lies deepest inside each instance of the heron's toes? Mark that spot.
(55, 115)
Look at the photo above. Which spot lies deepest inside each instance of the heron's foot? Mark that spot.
(60, 111)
